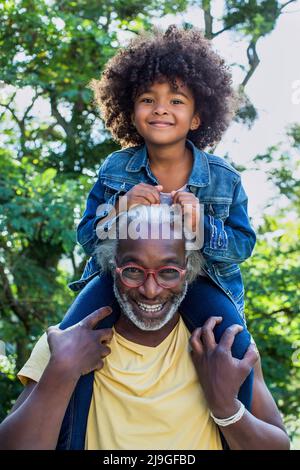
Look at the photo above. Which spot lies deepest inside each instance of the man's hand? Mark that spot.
(80, 349)
(190, 206)
(142, 193)
(220, 374)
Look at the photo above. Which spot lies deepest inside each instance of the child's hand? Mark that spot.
(143, 193)
(191, 207)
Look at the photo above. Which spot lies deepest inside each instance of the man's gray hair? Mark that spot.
(155, 216)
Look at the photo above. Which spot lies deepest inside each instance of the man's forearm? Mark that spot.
(251, 433)
(36, 423)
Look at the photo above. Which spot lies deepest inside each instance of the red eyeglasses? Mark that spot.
(133, 275)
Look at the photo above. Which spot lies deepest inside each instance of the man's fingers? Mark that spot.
(93, 319)
(251, 356)
(229, 335)
(104, 335)
(105, 351)
(195, 341)
(208, 337)
(52, 329)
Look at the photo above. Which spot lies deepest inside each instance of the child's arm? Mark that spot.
(231, 241)
(96, 209)
(100, 212)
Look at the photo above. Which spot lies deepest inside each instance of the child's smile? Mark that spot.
(163, 115)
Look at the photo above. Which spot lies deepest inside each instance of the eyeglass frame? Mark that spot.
(119, 269)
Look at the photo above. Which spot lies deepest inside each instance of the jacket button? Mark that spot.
(105, 213)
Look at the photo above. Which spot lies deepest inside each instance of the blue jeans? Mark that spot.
(203, 300)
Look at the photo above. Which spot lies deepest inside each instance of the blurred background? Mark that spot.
(52, 142)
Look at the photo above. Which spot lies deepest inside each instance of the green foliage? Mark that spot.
(272, 281)
(51, 149)
(252, 17)
(49, 52)
(246, 112)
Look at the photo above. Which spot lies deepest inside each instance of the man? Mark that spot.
(149, 391)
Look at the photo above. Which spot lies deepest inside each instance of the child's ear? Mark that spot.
(196, 122)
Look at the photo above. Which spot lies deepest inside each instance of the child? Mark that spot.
(164, 98)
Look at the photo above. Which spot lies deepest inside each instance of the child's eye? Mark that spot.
(146, 100)
(177, 102)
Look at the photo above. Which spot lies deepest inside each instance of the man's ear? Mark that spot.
(196, 122)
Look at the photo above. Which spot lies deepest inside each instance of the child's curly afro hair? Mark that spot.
(177, 53)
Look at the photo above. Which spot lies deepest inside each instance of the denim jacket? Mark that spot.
(228, 236)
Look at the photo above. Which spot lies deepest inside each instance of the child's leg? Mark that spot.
(97, 293)
(203, 300)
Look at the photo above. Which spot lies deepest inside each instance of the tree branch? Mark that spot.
(286, 4)
(36, 96)
(20, 311)
(108, 17)
(286, 310)
(7, 106)
(208, 19)
(226, 28)
(21, 122)
(73, 263)
(56, 114)
(253, 60)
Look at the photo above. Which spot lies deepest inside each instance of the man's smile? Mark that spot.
(150, 310)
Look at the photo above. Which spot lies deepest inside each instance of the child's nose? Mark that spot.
(160, 109)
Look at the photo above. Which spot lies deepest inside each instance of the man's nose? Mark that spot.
(150, 289)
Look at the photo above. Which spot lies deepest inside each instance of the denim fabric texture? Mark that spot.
(228, 240)
(228, 236)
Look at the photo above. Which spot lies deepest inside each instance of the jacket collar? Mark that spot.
(200, 174)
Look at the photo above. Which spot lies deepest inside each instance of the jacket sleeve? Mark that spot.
(96, 209)
(231, 241)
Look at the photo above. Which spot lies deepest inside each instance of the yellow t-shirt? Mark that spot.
(143, 397)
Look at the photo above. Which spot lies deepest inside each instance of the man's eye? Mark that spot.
(132, 270)
(169, 273)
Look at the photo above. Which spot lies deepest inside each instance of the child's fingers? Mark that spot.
(146, 195)
(151, 196)
(176, 197)
(182, 197)
(151, 193)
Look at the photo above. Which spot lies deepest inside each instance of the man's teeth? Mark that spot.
(150, 308)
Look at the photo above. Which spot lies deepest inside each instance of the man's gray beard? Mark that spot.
(149, 324)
